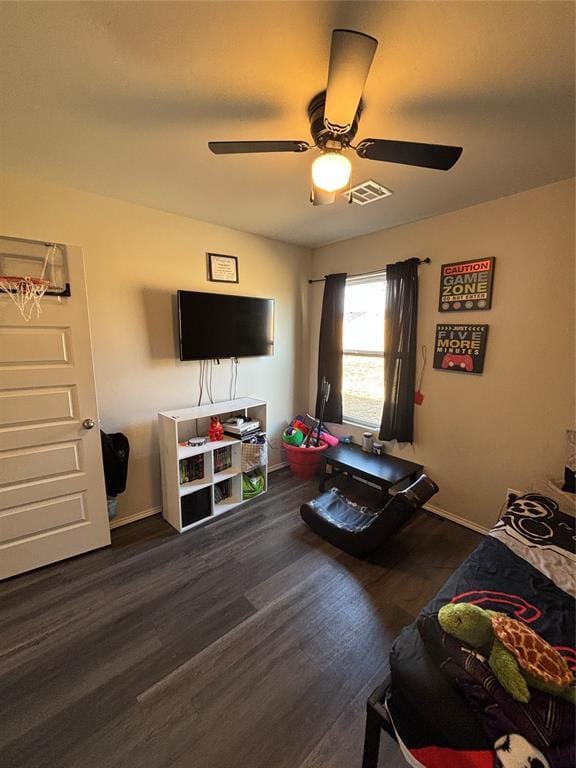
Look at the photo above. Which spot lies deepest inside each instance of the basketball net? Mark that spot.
(27, 292)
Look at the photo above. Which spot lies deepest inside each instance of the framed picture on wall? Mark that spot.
(466, 285)
(222, 269)
(460, 348)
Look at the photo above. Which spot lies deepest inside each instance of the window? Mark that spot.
(363, 343)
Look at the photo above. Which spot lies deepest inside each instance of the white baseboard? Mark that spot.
(117, 522)
(428, 507)
(455, 518)
(278, 466)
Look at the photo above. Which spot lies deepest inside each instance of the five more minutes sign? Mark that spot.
(460, 348)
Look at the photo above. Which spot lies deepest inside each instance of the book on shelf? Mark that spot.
(191, 469)
(222, 459)
(222, 491)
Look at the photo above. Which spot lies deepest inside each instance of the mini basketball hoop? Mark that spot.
(27, 292)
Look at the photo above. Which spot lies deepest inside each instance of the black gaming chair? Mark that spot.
(360, 530)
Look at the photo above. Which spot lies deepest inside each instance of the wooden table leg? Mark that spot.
(322, 485)
(371, 739)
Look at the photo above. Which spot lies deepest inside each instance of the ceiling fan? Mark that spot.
(334, 115)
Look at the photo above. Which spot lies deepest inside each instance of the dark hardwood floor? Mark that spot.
(248, 643)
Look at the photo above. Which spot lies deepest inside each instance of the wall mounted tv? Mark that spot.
(217, 325)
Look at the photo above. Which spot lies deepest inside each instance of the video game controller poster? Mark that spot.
(466, 285)
(460, 348)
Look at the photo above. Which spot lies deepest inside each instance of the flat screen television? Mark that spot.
(217, 325)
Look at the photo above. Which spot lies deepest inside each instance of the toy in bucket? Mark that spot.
(293, 436)
(305, 440)
(305, 423)
(324, 397)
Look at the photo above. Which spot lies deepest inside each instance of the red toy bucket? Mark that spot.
(304, 462)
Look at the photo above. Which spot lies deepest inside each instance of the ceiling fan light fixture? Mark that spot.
(334, 115)
(331, 171)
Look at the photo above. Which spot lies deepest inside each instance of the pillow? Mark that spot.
(537, 531)
(550, 488)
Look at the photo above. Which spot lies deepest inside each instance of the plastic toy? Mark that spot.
(293, 436)
(324, 436)
(216, 431)
(517, 655)
(324, 397)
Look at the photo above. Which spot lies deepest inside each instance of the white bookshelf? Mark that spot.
(192, 503)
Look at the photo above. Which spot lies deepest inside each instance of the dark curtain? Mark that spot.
(330, 346)
(400, 320)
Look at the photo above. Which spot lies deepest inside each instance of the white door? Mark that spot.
(52, 494)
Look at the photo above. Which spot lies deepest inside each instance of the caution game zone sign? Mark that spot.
(466, 285)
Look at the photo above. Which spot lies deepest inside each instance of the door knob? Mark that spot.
(88, 423)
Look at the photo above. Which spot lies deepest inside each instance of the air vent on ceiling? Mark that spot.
(367, 192)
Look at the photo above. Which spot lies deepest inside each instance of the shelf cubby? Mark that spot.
(196, 506)
(262, 472)
(187, 488)
(231, 490)
(194, 468)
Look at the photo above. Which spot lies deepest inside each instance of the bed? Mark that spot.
(441, 702)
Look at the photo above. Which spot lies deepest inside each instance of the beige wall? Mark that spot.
(478, 435)
(136, 258)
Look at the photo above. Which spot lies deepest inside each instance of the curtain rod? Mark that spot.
(427, 260)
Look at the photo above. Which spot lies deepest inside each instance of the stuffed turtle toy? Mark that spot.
(516, 654)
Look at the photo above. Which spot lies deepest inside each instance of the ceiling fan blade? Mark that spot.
(244, 147)
(409, 153)
(321, 197)
(351, 56)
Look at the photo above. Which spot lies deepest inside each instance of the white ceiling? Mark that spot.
(121, 99)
